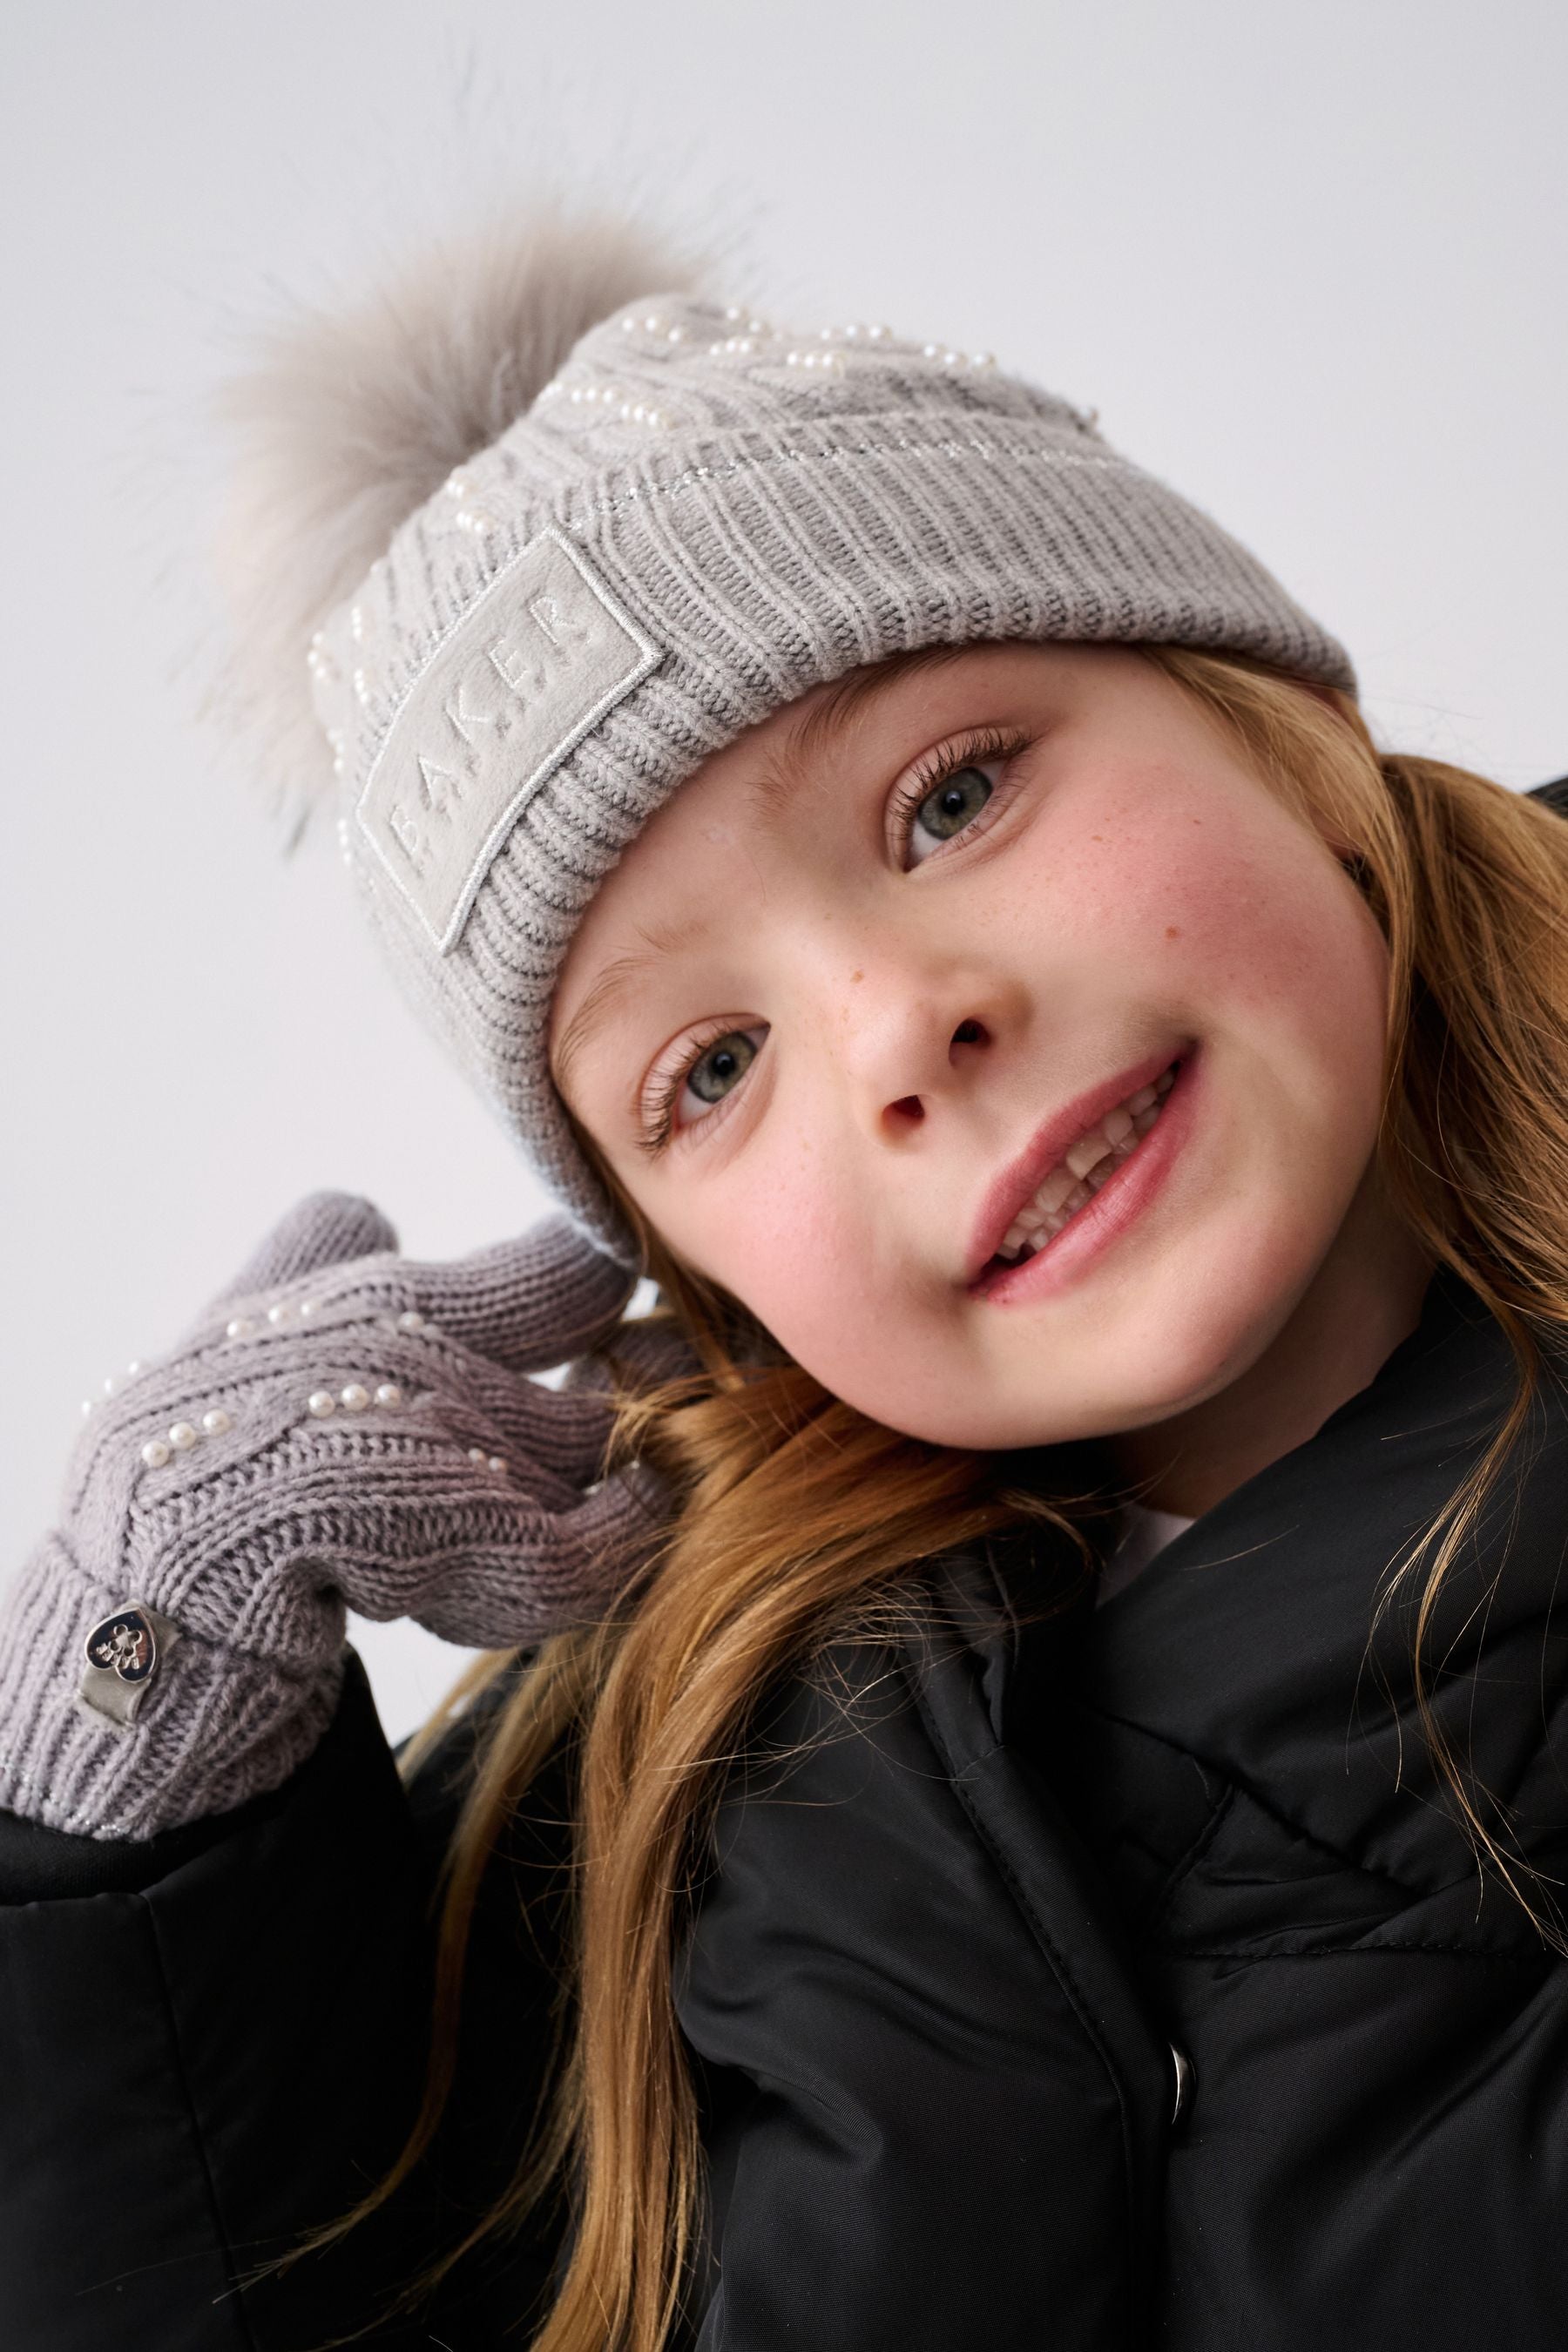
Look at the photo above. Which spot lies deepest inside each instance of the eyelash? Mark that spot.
(659, 1131)
(989, 746)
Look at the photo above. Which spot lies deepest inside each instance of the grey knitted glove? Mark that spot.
(342, 1428)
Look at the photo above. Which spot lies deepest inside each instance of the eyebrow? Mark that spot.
(612, 984)
(855, 696)
(778, 780)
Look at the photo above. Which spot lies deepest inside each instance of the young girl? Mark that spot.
(1016, 1803)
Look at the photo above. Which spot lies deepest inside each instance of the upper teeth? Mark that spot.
(1083, 1168)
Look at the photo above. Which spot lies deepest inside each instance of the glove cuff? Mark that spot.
(168, 1728)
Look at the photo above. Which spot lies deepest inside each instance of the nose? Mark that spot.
(968, 1040)
(910, 1042)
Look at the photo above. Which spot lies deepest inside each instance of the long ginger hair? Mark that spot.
(796, 1513)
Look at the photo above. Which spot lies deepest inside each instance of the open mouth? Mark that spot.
(1087, 1163)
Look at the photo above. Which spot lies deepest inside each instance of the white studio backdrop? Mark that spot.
(1309, 264)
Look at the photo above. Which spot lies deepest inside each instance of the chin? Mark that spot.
(1204, 1345)
(1176, 1359)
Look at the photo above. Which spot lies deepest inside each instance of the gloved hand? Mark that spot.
(342, 1428)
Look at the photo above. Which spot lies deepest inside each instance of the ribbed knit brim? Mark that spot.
(700, 518)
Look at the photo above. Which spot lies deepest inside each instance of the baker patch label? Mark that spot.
(535, 663)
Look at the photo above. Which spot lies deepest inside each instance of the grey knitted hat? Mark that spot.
(695, 516)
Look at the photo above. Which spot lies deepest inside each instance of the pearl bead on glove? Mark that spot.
(341, 1429)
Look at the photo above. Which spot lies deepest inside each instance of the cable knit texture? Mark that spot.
(343, 1428)
(700, 517)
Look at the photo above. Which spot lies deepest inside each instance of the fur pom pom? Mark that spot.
(344, 422)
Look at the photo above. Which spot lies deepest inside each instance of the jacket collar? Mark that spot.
(1247, 1641)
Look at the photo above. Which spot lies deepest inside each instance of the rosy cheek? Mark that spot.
(787, 1238)
(1104, 856)
(1203, 889)
(1270, 932)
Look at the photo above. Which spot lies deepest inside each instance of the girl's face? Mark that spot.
(873, 974)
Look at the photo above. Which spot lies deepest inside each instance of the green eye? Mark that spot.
(957, 802)
(724, 1062)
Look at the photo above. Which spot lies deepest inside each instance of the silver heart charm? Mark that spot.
(124, 1652)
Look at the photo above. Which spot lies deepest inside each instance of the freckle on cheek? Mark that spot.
(1171, 931)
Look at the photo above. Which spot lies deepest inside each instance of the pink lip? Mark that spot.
(1021, 1178)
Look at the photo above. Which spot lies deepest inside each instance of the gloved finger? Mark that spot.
(548, 1437)
(324, 1229)
(531, 1302)
(551, 1572)
(645, 1353)
(562, 1431)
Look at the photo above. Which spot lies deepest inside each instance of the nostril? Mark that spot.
(909, 1108)
(970, 1033)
